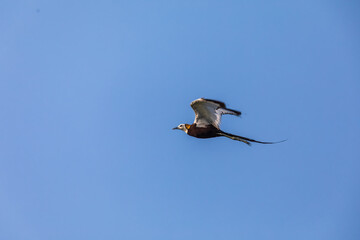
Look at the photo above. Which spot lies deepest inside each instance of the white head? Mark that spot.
(183, 126)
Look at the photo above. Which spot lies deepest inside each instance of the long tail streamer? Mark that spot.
(244, 139)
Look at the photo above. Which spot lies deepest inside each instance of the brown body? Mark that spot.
(203, 132)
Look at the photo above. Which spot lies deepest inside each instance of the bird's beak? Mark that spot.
(175, 128)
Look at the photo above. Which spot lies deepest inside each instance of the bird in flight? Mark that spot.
(208, 114)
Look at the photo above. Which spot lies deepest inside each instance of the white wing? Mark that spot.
(209, 112)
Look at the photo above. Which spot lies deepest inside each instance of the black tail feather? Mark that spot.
(244, 139)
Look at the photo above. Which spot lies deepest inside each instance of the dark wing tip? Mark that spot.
(222, 104)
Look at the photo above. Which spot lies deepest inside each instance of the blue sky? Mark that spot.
(89, 92)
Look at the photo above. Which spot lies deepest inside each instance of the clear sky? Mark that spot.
(90, 90)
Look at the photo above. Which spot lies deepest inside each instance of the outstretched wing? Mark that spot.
(209, 112)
